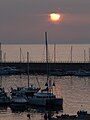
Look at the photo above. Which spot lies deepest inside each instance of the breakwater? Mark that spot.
(41, 67)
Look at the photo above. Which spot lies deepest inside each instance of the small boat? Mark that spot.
(45, 97)
(81, 115)
(9, 71)
(4, 99)
(82, 73)
(70, 73)
(18, 100)
(58, 72)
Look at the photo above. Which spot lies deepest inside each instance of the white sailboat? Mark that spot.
(46, 96)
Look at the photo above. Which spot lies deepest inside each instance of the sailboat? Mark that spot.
(29, 90)
(46, 97)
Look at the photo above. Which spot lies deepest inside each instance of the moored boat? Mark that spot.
(27, 91)
(30, 89)
(9, 70)
(18, 100)
(82, 73)
(81, 115)
(4, 99)
(46, 97)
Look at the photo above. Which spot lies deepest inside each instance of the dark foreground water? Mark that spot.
(74, 90)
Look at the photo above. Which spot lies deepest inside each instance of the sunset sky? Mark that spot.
(25, 21)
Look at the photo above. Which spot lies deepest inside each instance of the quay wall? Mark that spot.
(41, 68)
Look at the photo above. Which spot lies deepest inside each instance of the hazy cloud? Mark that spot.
(25, 21)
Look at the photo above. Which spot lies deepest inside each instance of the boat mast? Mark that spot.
(84, 56)
(0, 54)
(54, 53)
(20, 56)
(47, 56)
(28, 66)
(71, 54)
(4, 57)
(48, 80)
(89, 55)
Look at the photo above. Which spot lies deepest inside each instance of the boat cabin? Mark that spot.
(44, 95)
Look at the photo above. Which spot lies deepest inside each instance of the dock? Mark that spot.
(41, 67)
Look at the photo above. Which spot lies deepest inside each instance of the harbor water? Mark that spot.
(74, 90)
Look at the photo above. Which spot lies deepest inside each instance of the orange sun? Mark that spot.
(55, 17)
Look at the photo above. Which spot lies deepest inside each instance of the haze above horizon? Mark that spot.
(24, 22)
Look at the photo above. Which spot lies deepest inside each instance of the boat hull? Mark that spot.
(18, 106)
(46, 102)
(4, 101)
(54, 102)
(18, 101)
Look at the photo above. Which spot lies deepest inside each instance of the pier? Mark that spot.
(41, 67)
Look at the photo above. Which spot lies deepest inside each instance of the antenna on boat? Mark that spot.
(28, 66)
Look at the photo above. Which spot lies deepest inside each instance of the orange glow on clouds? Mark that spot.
(55, 17)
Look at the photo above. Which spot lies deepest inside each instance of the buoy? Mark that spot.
(45, 116)
(28, 115)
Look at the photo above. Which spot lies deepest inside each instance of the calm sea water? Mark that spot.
(74, 90)
(59, 52)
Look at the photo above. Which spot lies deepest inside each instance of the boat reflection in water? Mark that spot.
(3, 108)
(45, 109)
(37, 109)
(16, 109)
